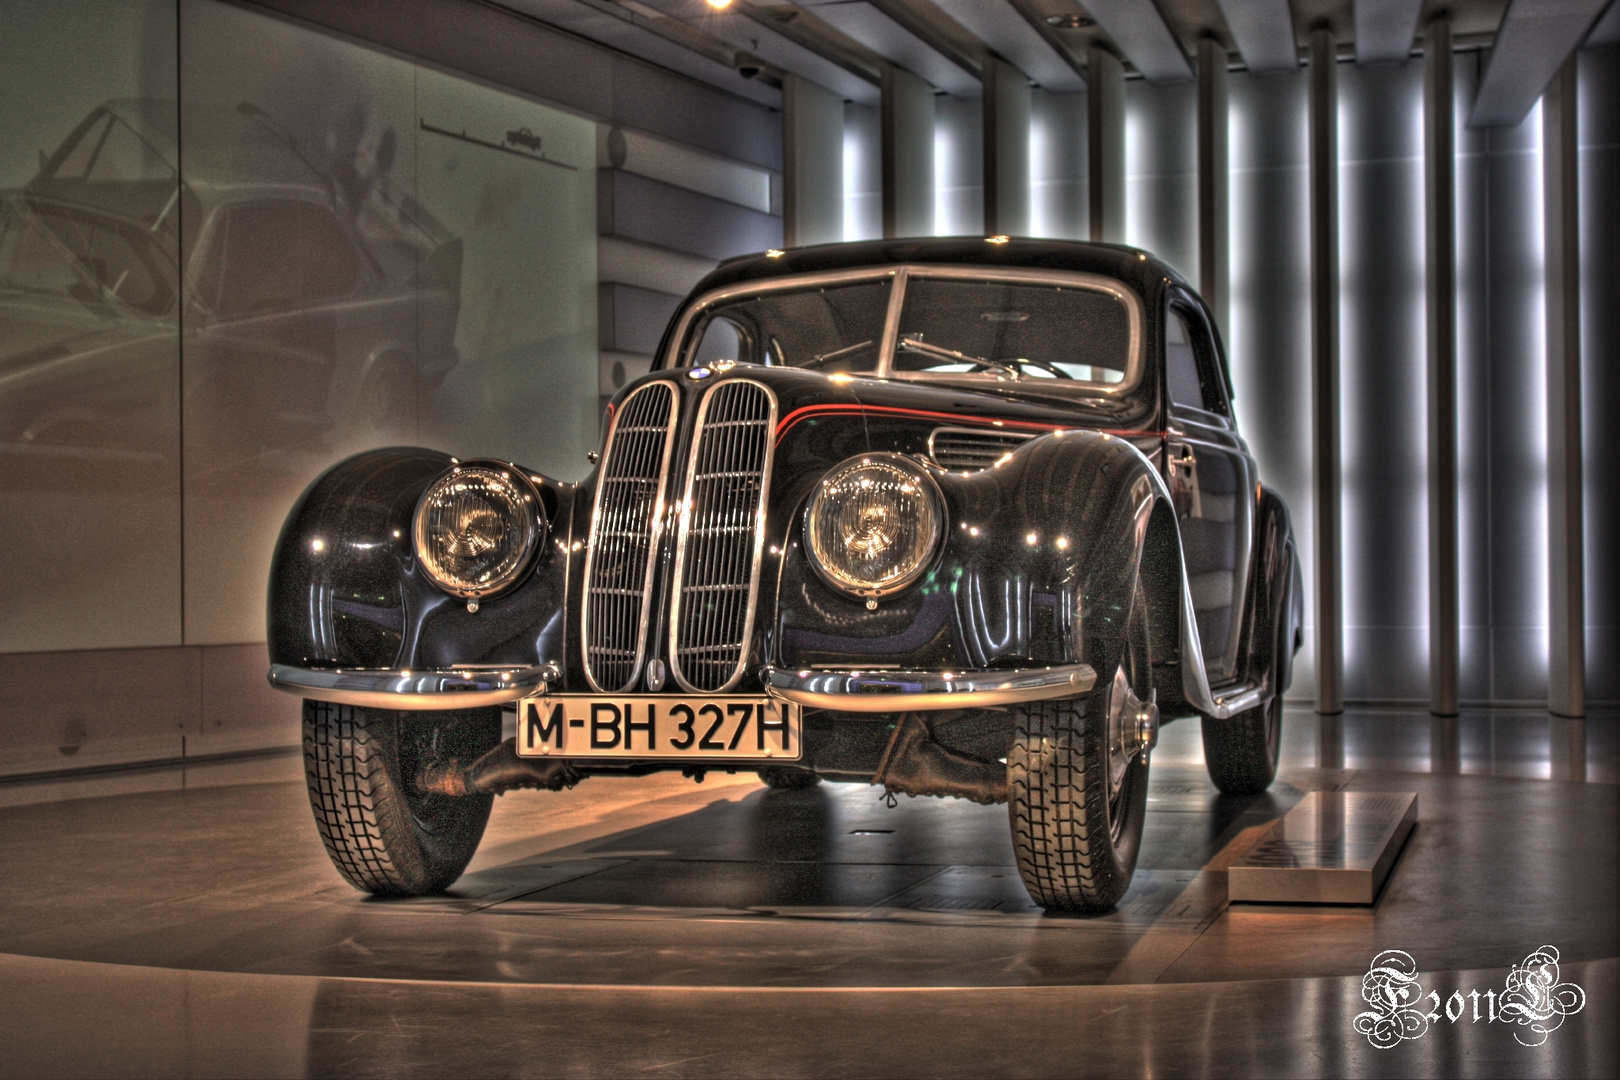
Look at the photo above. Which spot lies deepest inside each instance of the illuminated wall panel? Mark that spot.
(1057, 165)
(1383, 382)
(958, 167)
(1600, 362)
(863, 172)
(1161, 172)
(1269, 341)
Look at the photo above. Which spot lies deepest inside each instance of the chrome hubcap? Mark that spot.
(1133, 727)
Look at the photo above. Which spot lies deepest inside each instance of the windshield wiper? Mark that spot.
(837, 354)
(917, 345)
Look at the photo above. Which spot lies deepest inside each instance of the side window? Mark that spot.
(1180, 365)
(280, 256)
(1190, 364)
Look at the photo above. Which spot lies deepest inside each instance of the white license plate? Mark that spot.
(642, 726)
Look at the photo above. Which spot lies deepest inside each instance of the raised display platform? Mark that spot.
(1333, 847)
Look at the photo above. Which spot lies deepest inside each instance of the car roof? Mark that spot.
(1138, 269)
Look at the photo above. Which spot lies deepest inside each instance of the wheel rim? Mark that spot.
(1133, 720)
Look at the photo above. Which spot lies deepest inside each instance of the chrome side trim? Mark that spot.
(414, 690)
(683, 532)
(1195, 680)
(654, 536)
(909, 691)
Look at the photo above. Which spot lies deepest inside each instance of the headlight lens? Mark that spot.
(874, 523)
(476, 529)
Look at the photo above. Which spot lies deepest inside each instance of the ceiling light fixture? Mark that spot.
(1062, 22)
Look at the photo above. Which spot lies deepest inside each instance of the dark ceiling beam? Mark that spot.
(1384, 30)
(1264, 33)
(1140, 32)
(1535, 38)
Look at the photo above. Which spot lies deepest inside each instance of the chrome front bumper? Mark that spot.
(844, 691)
(413, 690)
(905, 691)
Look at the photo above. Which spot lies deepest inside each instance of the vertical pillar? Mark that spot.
(1324, 184)
(908, 154)
(1214, 263)
(1566, 579)
(1105, 144)
(812, 164)
(1006, 148)
(1440, 233)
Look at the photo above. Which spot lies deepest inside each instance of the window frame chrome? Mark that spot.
(682, 349)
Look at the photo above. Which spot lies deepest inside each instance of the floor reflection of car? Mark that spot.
(315, 303)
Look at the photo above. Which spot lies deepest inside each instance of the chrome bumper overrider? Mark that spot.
(903, 691)
(414, 690)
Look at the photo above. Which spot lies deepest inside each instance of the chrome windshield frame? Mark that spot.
(681, 348)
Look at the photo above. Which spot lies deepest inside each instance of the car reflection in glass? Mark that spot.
(315, 305)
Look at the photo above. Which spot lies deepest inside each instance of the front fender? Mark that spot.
(1036, 568)
(346, 591)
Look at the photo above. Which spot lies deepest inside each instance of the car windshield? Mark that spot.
(88, 258)
(1013, 331)
(834, 328)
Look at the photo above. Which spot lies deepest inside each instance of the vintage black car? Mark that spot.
(955, 517)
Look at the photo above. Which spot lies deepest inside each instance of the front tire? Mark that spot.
(1077, 782)
(1241, 751)
(383, 836)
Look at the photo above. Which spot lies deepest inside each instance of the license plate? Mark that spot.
(643, 726)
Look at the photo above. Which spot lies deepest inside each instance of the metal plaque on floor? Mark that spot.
(1335, 847)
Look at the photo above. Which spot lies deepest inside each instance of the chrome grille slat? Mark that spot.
(721, 536)
(625, 531)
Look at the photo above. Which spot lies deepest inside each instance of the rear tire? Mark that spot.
(361, 764)
(1077, 801)
(1241, 751)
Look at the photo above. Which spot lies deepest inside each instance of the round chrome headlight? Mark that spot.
(477, 528)
(873, 525)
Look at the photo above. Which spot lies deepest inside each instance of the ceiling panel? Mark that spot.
(1535, 39)
(614, 27)
(1264, 33)
(866, 24)
(996, 24)
(1384, 30)
(1142, 35)
(738, 29)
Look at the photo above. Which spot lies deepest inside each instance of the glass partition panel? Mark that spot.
(89, 339)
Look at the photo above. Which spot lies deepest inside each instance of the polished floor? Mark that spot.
(186, 922)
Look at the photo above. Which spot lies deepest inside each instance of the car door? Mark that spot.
(1211, 476)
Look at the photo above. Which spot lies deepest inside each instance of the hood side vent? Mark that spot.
(972, 449)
